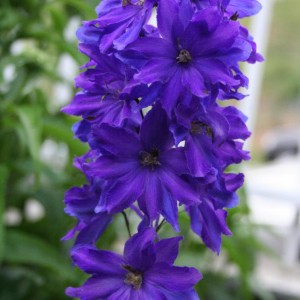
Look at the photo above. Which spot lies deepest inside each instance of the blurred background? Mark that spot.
(38, 61)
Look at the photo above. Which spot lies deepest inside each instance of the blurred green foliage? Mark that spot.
(35, 264)
(282, 64)
(280, 100)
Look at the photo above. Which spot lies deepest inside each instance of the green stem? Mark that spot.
(160, 225)
(127, 223)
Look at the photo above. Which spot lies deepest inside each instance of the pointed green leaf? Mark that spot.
(30, 118)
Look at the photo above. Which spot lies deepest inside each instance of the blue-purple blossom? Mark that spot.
(105, 95)
(144, 272)
(177, 154)
(80, 203)
(191, 54)
(118, 24)
(209, 223)
(212, 135)
(208, 219)
(144, 167)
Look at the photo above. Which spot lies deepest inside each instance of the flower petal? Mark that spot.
(193, 81)
(81, 201)
(150, 202)
(96, 287)
(157, 69)
(131, 34)
(124, 192)
(148, 291)
(100, 262)
(110, 167)
(244, 8)
(186, 295)
(175, 160)
(209, 224)
(154, 48)
(117, 141)
(167, 250)
(139, 250)
(155, 131)
(200, 157)
(171, 92)
(94, 229)
(170, 210)
(123, 293)
(179, 188)
(173, 278)
(167, 13)
(118, 15)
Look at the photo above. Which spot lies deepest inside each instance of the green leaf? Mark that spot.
(22, 248)
(16, 87)
(87, 11)
(59, 17)
(3, 179)
(30, 118)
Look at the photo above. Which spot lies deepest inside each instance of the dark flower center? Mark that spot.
(133, 277)
(184, 57)
(150, 158)
(198, 127)
(235, 16)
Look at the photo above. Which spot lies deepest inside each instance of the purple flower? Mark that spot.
(222, 192)
(209, 223)
(144, 167)
(118, 24)
(192, 53)
(145, 271)
(81, 203)
(208, 219)
(105, 96)
(211, 134)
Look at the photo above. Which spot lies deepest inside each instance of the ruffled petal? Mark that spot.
(209, 224)
(200, 158)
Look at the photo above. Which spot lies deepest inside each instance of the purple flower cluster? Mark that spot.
(161, 139)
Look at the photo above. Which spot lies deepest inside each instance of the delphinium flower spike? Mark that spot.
(175, 155)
